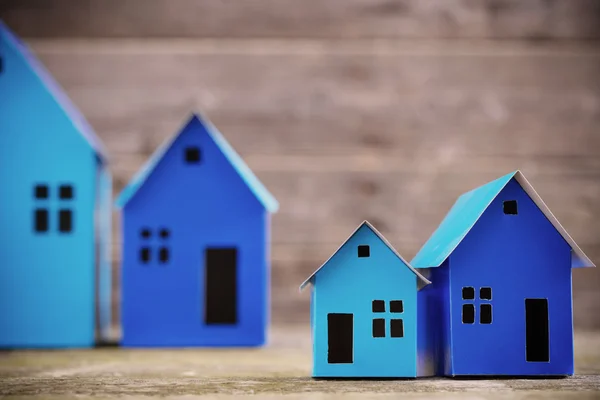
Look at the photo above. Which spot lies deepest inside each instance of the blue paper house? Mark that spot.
(55, 211)
(196, 239)
(364, 310)
(500, 302)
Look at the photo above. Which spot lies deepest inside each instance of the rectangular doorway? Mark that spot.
(220, 286)
(537, 332)
(340, 338)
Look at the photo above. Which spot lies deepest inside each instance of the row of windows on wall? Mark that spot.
(468, 293)
(42, 191)
(396, 306)
(162, 255)
(163, 233)
(41, 220)
(396, 328)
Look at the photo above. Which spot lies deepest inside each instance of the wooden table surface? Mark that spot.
(281, 369)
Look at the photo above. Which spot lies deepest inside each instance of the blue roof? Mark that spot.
(422, 280)
(79, 122)
(259, 190)
(469, 208)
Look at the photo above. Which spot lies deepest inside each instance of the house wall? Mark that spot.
(518, 256)
(204, 205)
(47, 288)
(348, 284)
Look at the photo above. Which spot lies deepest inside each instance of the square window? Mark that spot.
(145, 233)
(364, 250)
(468, 293)
(164, 233)
(65, 192)
(192, 155)
(468, 314)
(379, 327)
(41, 192)
(485, 314)
(485, 293)
(378, 306)
(510, 207)
(397, 328)
(396, 306)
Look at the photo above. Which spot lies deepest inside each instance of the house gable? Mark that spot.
(199, 126)
(466, 212)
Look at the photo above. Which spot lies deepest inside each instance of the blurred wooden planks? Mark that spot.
(343, 131)
(526, 19)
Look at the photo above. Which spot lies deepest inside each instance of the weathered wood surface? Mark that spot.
(528, 19)
(346, 131)
(280, 370)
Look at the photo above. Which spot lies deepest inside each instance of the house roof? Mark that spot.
(259, 190)
(421, 278)
(466, 212)
(79, 122)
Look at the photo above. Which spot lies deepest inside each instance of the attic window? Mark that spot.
(510, 207)
(192, 155)
(364, 250)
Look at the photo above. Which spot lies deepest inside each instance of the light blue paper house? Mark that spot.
(364, 310)
(54, 211)
(500, 302)
(196, 259)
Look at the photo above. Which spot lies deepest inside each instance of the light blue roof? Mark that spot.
(79, 122)
(259, 190)
(469, 208)
(422, 281)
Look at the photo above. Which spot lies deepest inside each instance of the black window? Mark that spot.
(145, 255)
(396, 306)
(164, 233)
(397, 328)
(510, 207)
(40, 220)
(192, 155)
(485, 314)
(378, 306)
(485, 293)
(41, 191)
(364, 251)
(145, 233)
(65, 192)
(468, 314)
(65, 220)
(468, 293)
(1, 65)
(378, 327)
(163, 255)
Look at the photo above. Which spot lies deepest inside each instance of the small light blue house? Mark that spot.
(55, 211)
(500, 302)
(364, 310)
(196, 239)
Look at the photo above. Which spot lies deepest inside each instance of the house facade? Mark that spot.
(196, 266)
(500, 301)
(364, 310)
(55, 211)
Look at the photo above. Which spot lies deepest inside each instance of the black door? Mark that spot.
(537, 333)
(340, 339)
(220, 286)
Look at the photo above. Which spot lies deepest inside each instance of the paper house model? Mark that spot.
(54, 211)
(196, 225)
(500, 302)
(364, 310)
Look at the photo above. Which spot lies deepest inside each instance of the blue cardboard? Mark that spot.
(195, 206)
(53, 169)
(500, 302)
(374, 296)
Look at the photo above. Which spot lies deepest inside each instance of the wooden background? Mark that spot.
(347, 109)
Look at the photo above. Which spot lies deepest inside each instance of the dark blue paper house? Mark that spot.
(500, 302)
(364, 310)
(196, 240)
(55, 211)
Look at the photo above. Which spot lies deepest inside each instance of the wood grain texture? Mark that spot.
(347, 130)
(522, 19)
